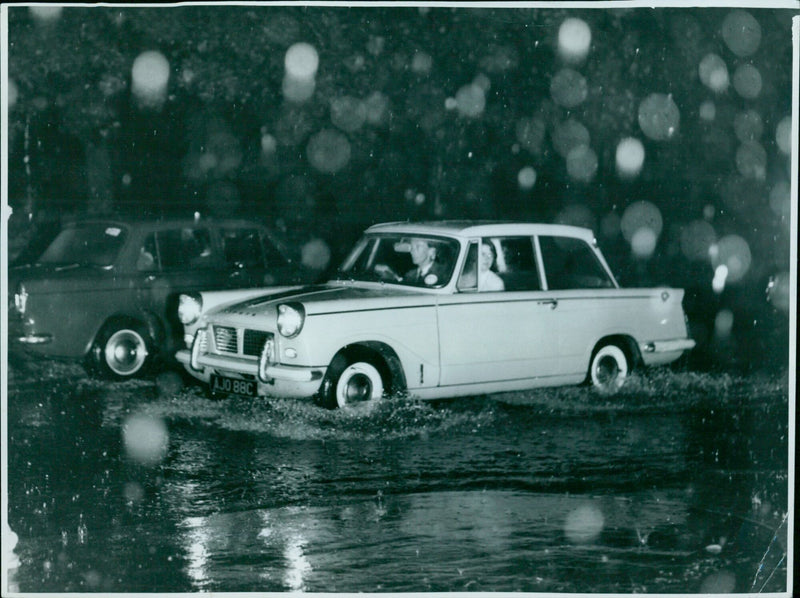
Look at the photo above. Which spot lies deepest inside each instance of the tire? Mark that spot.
(349, 383)
(609, 368)
(122, 350)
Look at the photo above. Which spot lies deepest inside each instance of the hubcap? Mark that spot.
(358, 388)
(607, 370)
(125, 352)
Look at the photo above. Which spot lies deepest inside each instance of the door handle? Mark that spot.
(553, 303)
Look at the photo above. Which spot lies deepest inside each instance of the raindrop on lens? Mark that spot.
(714, 73)
(751, 160)
(328, 151)
(582, 163)
(733, 252)
(46, 14)
(723, 323)
(568, 88)
(471, 100)
(783, 135)
(13, 93)
(741, 33)
(316, 254)
(659, 116)
(747, 81)
(708, 110)
(149, 77)
(301, 61)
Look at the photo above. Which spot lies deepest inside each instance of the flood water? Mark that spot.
(676, 484)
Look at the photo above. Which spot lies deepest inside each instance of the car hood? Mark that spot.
(327, 298)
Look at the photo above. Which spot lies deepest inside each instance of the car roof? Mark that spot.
(481, 228)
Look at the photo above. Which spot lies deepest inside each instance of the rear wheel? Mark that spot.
(349, 383)
(121, 351)
(609, 368)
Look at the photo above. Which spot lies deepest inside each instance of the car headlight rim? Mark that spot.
(291, 318)
(190, 307)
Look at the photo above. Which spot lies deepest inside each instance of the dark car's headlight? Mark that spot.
(291, 317)
(189, 308)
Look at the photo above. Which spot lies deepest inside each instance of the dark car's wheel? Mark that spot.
(122, 350)
(350, 382)
(609, 368)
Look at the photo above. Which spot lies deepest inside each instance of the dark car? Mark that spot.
(106, 290)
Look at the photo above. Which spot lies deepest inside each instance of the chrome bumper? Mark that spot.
(669, 346)
(240, 366)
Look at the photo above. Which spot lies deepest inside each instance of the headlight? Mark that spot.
(21, 299)
(189, 308)
(290, 319)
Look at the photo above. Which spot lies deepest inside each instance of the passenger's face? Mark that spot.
(421, 252)
(487, 258)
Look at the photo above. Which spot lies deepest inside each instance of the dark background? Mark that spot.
(391, 133)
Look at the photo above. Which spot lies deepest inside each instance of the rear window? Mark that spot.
(570, 263)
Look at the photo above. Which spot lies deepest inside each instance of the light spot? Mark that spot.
(696, 239)
(721, 582)
(751, 160)
(708, 110)
(709, 211)
(298, 90)
(733, 252)
(301, 61)
(720, 277)
(783, 135)
(268, 144)
(145, 438)
(641, 226)
(659, 116)
(568, 135)
(780, 199)
(348, 113)
(526, 178)
(133, 492)
(422, 63)
(748, 125)
(530, 134)
(568, 88)
(741, 33)
(149, 78)
(45, 14)
(471, 100)
(328, 151)
(377, 108)
(723, 323)
(13, 93)
(630, 157)
(747, 81)
(714, 73)
(582, 163)
(584, 524)
(574, 40)
(316, 254)
(779, 291)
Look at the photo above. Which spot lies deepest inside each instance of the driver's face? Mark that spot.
(421, 252)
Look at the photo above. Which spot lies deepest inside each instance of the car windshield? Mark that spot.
(408, 259)
(95, 244)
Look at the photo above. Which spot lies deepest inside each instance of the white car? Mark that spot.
(435, 310)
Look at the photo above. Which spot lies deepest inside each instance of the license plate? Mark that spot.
(233, 386)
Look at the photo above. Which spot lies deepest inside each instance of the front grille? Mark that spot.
(254, 341)
(226, 339)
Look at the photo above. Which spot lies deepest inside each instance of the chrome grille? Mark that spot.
(226, 339)
(254, 342)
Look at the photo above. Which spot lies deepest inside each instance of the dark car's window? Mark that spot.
(242, 248)
(516, 263)
(570, 263)
(91, 244)
(184, 248)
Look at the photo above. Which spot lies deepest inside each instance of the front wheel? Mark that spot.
(121, 351)
(609, 368)
(348, 384)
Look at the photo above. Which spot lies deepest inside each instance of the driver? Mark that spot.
(428, 271)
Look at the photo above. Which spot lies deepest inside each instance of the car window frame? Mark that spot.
(592, 247)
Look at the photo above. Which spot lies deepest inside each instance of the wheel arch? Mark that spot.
(382, 356)
(625, 342)
(151, 322)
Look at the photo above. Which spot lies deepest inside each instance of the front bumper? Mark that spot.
(23, 332)
(284, 380)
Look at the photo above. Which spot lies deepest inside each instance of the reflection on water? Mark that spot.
(677, 484)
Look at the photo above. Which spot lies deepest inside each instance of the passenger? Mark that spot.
(428, 271)
(488, 280)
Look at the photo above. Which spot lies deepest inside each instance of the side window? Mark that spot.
(184, 249)
(571, 264)
(273, 256)
(147, 260)
(516, 263)
(242, 248)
